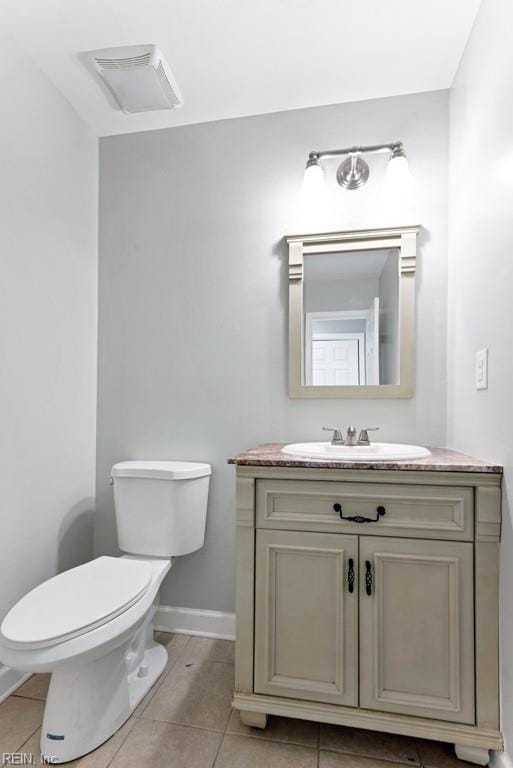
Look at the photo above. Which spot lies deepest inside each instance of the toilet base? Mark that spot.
(87, 704)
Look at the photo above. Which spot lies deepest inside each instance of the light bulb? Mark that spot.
(313, 181)
(398, 179)
(314, 198)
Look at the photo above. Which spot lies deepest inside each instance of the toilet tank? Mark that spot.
(161, 506)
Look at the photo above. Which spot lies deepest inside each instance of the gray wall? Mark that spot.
(48, 304)
(193, 300)
(481, 275)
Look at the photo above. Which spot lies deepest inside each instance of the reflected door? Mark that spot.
(335, 362)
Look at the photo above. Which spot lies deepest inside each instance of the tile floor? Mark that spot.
(186, 721)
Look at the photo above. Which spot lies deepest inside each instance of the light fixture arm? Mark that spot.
(371, 149)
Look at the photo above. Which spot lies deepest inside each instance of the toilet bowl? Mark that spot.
(92, 626)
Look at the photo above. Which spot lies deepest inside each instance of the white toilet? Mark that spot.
(92, 626)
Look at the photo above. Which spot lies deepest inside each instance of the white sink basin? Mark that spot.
(373, 452)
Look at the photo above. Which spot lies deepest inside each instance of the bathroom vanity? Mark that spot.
(367, 594)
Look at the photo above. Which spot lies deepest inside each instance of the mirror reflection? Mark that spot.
(351, 318)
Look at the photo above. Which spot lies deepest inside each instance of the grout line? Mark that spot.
(29, 698)
(155, 687)
(111, 737)
(276, 741)
(31, 735)
(387, 760)
(183, 651)
(218, 750)
(184, 725)
(229, 718)
(185, 645)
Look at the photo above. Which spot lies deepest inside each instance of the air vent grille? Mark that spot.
(127, 63)
(136, 77)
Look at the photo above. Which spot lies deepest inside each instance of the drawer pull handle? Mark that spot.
(350, 575)
(368, 577)
(380, 511)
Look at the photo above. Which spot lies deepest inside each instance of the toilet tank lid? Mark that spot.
(162, 470)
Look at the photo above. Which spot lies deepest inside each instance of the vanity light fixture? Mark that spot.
(353, 171)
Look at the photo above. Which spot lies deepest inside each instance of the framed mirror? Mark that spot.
(351, 313)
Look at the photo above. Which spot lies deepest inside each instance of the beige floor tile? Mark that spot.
(356, 741)
(210, 649)
(244, 752)
(160, 745)
(194, 693)
(36, 687)
(286, 729)
(19, 718)
(154, 688)
(338, 760)
(174, 643)
(436, 754)
(99, 758)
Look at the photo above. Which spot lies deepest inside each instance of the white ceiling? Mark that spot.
(246, 57)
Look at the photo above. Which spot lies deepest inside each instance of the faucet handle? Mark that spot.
(363, 437)
(337, 435)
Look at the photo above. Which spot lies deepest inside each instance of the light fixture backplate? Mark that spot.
(353, 172)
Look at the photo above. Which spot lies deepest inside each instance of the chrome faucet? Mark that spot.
(350, 439)
(351, 436)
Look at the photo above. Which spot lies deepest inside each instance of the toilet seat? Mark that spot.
(75, 602)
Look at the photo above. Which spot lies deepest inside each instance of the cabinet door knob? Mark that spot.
(350, 575)
(368, 577)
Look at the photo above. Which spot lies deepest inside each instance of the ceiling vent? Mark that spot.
(138, 77)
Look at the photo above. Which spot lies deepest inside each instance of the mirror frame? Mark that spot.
(402, 238)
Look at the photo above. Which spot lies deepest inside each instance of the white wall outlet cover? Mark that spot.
(482, 369)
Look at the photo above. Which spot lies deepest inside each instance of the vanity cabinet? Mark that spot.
(369, 598)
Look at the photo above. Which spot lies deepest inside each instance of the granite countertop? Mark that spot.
(441, 460)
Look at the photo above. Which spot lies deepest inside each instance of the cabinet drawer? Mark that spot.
(420, 511)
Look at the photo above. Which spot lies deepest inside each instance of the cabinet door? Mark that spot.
(306, 616)
(417, 628)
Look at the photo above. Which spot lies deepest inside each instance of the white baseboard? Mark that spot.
(500, 760)
(10, 680)
(189, 621)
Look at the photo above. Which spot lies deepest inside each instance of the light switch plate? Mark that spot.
(482, 369)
